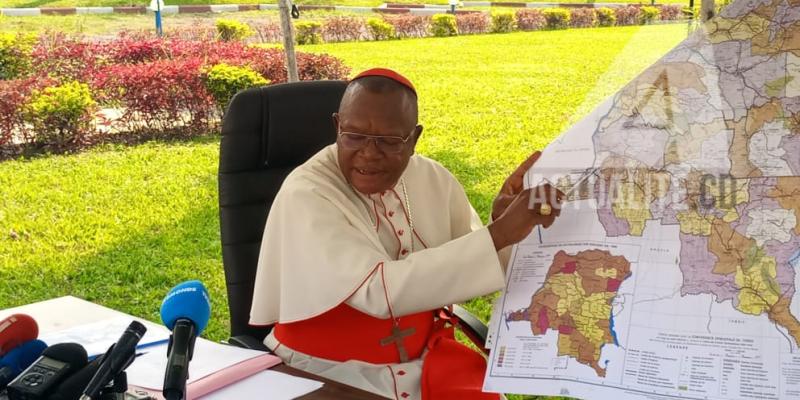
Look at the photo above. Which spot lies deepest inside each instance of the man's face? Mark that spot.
(372, 169)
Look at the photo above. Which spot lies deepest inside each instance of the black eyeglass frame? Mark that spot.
(377, 139)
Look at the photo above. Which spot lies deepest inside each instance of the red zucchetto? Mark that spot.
(387, 73)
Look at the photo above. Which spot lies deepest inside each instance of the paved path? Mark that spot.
(390, 8)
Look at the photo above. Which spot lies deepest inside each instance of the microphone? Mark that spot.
(185, 311)
(18, 359)
(56, 362)
(15, 330)
(118, 357)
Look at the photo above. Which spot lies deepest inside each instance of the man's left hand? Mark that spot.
(512, 186)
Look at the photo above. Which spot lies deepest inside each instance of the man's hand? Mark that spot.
(512, 186)
(525, 212)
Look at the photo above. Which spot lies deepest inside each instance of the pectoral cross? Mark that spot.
(397, 338)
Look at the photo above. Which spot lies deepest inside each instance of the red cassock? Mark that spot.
(450, 370)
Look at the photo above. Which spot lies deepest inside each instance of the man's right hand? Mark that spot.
(524, 213)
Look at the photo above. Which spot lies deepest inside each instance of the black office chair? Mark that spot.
(266, 133)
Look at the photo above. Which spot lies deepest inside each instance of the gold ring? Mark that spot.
(545, 209)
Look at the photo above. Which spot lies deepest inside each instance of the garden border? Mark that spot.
(390, 8)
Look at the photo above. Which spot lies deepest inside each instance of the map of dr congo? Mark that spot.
(575, 300)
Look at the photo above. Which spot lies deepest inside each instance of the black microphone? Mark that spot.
(56, 362)
(185, 311)
(118, 357)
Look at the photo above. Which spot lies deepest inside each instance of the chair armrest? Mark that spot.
(247, 342)
(471, 326)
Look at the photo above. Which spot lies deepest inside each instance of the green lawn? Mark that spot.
(120, 226)
(370, 3)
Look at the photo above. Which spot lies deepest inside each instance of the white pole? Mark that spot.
(288, 40)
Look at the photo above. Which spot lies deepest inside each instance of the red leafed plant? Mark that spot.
(671, 12)
(530, 19)
(343, 29)
(163, 96)
(409, 25)
(582, 17)
(14, 95)
(267, 30)
(64, 57)
(627, 15)
(472, 23)
(271, 65)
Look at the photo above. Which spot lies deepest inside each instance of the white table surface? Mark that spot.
(67, 312)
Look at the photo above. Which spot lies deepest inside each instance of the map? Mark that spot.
(672, 271)
(576, 301)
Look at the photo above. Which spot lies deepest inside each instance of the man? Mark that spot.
(366, 240)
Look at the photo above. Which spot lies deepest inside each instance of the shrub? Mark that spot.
(606, 16)
(530, 19)
(308, 32)
(582, 17)
(472, 23)
(557, 18)
(268, 31)
(649, 14)
(230, 30)
(270, 64)
(191, 33)
(61, 115)
(380, 29)
(163, 96)
(15, 54)
(128, 50)
(315, 67)
(410, 25)
(627, 15)
(502, 22)
(223, 81)
(65, 58)
(233, 53)
(444, 25)
(14, 95)
(342, 29)
(671, 12)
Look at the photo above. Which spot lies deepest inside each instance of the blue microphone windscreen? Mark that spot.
(23, 356)
(187, 300)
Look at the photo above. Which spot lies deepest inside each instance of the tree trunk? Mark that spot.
(288, 40)
(706, 10)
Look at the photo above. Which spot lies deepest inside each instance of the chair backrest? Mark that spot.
(266, 133)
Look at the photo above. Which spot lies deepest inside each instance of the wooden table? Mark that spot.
(66, 312)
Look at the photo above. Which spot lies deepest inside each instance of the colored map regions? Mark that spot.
(708, 139)
(723, 102)
(575, 301)
(625, 190)
(750, 260)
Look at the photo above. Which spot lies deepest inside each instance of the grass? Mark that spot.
(121, 225)
(369, 3)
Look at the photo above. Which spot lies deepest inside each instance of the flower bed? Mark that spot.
(387, 27)
(151, 87)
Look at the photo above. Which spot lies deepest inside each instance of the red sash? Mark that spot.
(345, 333)
(450, 370)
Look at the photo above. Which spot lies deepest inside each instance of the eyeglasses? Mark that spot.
(386, 144)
